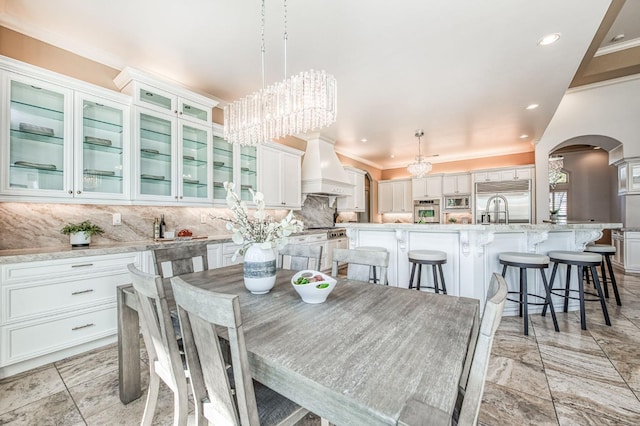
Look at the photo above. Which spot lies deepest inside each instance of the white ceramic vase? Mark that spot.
(80, 239)
(259, 269)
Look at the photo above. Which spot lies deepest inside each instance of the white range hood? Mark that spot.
(322, 173)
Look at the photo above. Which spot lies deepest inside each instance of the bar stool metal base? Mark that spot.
(428, 257)
(606, 251)
(581, 260)
(525, 261)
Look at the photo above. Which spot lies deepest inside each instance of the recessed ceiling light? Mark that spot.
(596, 147)
(363, 140)
(549, 39)
(524, 136)
(532, 106)
(618, 37)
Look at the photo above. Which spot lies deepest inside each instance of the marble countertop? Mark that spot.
(455, 227)
(65, 252)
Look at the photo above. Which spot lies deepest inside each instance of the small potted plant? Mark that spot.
(80, 233)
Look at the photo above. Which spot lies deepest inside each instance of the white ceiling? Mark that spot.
(464, 71)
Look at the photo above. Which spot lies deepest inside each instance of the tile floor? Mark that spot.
(573, 377)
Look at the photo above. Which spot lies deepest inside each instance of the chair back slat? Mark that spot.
(301, 256)
(173, 261)
(494, 306)
(157, 328)
(361, 258)
(200, 311)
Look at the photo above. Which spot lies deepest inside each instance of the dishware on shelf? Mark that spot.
(38, 130)
(36, 165)
(97, 141)
(318, 287)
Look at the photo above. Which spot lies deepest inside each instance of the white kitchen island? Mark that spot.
(472, 251)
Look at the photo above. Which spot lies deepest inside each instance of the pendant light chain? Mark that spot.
(262, 49)
(286, 36)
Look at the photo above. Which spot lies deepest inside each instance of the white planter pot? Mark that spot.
(259, 269)
(80, 239)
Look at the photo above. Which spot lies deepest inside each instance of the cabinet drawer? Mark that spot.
(49, 269)
(31, 300)
(21, 342)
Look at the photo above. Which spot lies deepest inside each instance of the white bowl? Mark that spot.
(310, 293)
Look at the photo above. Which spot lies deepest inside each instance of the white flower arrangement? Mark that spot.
(257, 227)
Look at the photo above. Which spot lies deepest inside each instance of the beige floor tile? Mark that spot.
(53, 410)
(580, 393)
(517, 347)
(518, 376)
(86, 366)
(503, 406)
(572, 416)
(22, 389)
(580, 364)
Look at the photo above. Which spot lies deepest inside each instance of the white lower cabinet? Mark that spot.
(50, 307)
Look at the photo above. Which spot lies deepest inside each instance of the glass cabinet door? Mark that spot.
(102, 138)
(195, 152)
(156, 99)
(37, 153)
(156, 153)
(634, 177)
(194, 112)
(248, 172)
(222, 167)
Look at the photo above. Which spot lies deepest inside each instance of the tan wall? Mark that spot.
(522, 159)
(35, 52)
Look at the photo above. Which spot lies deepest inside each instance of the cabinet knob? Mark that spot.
(175, 111)
(78, 192)
(181, 197)
(180, 113)
(176, 197)
(70, 192)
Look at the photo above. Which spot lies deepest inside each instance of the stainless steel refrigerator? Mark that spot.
(507, 200)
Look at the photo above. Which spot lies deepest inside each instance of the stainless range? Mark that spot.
(332, 233)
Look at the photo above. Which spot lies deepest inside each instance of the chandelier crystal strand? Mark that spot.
(299, 104)
(420, 168)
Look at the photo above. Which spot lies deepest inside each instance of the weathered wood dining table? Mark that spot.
(369, 355)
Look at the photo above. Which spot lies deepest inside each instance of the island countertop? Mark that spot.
(452, 227)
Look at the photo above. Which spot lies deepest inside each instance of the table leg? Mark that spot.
(128, 350)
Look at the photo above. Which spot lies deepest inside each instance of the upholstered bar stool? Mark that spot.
(373, 274)
(581, 260)
(606, 251)
(525, 261)
(436, 259)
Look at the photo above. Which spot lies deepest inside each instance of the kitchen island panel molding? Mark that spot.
(473, 250)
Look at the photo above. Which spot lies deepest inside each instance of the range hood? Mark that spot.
(322, 173)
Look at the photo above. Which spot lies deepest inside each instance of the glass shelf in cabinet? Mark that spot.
(155, 135)
(153, 154)
(102, 125)
(190, 161)
(194, 184)
(227, 152)
(45, 169)
(102, 175)
(193, 144)
(155, 179)
(37, 110)
(35, 137)
(102, 148)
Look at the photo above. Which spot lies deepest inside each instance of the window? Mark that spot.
(559, 194)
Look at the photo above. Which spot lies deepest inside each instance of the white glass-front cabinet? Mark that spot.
(233, 163)
(280, 176)
(173, 158)
(63, 143)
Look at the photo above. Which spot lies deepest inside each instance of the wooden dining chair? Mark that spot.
(165, 362)
(301, 256)
(172, 261)
(201, 312)
(360, 258)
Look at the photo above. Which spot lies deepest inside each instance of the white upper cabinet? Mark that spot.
(427, 187)
(507, 174)
(62, 138)
(279, 175)
(233, 163)
(456, 184)
(629, 177)
(172, 153)
(355, 201)
(394, 196)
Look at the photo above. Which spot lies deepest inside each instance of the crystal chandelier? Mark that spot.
(556, 163)
(298, 104)
(420, 168)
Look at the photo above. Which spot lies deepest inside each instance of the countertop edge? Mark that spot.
(478, 227)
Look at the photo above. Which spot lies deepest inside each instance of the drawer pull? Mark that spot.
(82, 291)
(83, 265)
(82, 326)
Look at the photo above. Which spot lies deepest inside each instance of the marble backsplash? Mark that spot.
(316, 212)
(32, 225)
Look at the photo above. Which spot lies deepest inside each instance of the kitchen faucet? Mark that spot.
(496, 209)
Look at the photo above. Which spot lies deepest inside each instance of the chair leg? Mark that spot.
(614, 285)
(553, 277)
(567, 287)
(521, 298)
(586, 276)
(549, 301)
(525, 304)
(152, 399)
(504, 270)
(419, 276)
(413, 271)
(180, 408)
(444, 286)
(583, 314)
(435, 279)
(596, 282)
(605, 286)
